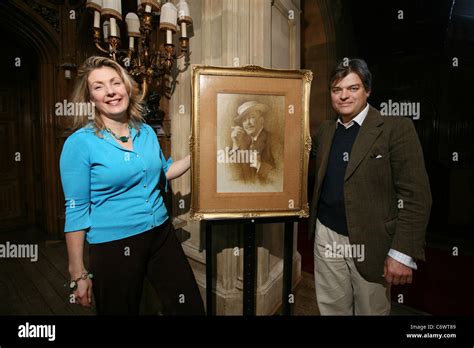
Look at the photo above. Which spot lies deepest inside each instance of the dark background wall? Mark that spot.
(428, 57)
(418, 51)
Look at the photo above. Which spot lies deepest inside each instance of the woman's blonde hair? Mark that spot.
(81, 94)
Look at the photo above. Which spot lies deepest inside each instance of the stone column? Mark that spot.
(233, 33)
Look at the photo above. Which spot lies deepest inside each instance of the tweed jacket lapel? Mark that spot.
(368, 133)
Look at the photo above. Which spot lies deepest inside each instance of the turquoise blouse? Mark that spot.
(112, 192)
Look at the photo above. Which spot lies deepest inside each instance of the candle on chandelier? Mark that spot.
(183, 30)
(106, 30)
(133, 28)
(96, 7)
(113, 26)
(96, 19)
(168, 18)
(148, 8)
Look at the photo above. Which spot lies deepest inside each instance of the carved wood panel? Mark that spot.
(12, 201)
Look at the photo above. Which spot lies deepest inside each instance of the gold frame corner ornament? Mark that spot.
(308, 75)
(195, 216)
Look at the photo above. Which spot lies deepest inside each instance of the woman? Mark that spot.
(110, 170)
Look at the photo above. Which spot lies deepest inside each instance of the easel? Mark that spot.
(250, 256)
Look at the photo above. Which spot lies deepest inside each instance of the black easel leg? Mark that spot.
(209, 300)
(288, 297)
(250, 255)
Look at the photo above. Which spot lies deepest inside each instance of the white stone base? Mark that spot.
(229, 301)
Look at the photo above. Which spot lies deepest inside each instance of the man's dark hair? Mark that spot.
(356, 66)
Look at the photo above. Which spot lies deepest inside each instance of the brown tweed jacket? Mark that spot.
(386, 189)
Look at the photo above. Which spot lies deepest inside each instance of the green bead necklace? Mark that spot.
(123, 139)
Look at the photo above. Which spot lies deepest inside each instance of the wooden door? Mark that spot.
(12, 195)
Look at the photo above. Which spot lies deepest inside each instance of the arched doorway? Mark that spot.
(20, 178)
(28, 88)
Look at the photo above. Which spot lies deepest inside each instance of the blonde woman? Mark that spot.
(110, 170)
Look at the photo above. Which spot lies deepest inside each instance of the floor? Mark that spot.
(37, 288)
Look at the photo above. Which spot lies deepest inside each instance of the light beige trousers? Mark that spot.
(340, 289)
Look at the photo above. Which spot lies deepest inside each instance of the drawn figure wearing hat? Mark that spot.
(248, 133)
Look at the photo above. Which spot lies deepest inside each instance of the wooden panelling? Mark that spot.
(12, 201)
(9, 201)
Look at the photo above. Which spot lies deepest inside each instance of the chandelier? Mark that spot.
(145, 63)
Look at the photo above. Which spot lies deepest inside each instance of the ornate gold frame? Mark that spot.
(301, 208)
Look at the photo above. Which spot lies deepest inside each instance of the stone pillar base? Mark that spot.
(229, 302)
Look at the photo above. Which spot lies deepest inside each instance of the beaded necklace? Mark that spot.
(123, 139)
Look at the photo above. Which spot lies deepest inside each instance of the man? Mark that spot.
(371, 200)
(249, 134)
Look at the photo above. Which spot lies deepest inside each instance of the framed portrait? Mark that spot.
(250, 142)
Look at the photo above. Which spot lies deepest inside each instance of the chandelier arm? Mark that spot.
(97, 40)
(100, 48)
(144, 90)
